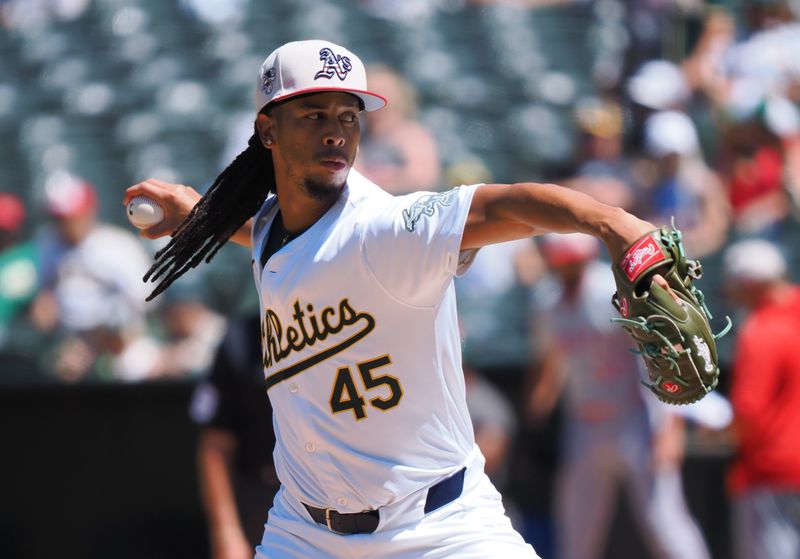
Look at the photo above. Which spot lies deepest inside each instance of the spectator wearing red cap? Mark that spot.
(610, 431)
(12, 216)
(90, 276)
(18, 284)
(17, 262)
(72, 205)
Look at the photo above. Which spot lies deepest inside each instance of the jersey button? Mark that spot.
(310, 447)
(342, 501)
(293, 388)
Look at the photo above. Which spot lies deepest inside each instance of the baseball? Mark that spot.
(144, 212)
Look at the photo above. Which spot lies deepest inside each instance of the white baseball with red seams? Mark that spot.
(143, 212)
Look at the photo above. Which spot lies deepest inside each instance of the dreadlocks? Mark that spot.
(236, 195)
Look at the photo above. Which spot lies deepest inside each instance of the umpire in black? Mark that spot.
(234, 454)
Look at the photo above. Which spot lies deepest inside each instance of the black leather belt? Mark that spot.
(367, 521)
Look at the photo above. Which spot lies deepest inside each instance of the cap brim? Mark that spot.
(372, 101)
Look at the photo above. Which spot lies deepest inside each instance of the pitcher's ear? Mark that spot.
(264, 128)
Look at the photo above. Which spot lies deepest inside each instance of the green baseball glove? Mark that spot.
(676, 340)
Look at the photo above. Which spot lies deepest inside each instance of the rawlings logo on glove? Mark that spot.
(673, 337)
(640, 257)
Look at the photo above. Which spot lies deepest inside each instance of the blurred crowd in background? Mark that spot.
(681, 111)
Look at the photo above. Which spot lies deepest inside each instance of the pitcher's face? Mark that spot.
(314, 140)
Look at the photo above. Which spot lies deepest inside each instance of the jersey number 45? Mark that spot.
(346, 396)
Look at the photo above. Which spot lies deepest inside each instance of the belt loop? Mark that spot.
(328, 520)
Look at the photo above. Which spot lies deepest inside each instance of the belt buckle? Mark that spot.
(328, 521)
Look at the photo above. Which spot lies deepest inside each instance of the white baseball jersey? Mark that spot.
(361, 346)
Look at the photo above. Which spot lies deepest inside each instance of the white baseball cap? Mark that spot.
(313, 66)
(754, 260)
(667, 132)
(658, 84)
